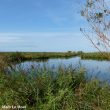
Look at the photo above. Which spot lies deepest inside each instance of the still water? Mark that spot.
(94, 68)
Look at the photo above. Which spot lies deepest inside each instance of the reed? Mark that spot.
(42, 88)
(22, 56)
(96, 56)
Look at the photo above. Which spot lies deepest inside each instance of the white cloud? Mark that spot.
(29, 37)
(43, 34)
(43, 41)
(9, 39)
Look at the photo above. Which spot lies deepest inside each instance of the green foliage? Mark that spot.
(45, 89)
(17, 56)
(96, 55)
(21, 56)
(44, 56)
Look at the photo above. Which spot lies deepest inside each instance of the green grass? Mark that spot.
(13, 56)
(46, 89)
(22, 56)
(95, 55)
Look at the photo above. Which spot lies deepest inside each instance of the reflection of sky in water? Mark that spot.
(98, 69)
(94, 68)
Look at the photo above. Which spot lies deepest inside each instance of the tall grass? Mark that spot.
(96, 55)
(21, 56)
(42, 88)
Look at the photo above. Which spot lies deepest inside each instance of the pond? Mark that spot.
(94, 68)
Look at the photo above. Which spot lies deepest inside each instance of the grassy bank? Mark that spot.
(46, 89)
(95, 55)
(16, 56)
(22, 56)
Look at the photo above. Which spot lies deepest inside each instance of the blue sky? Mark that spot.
(42, 25)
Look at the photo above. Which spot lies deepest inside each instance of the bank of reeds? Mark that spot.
(96, 55)
(22, 56)
(43, 88)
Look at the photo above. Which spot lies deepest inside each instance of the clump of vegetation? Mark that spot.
(21, 56)
(16, 57)
(43, 88)
(96, 55)
(3, 63)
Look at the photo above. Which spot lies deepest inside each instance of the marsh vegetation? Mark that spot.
(45, 88)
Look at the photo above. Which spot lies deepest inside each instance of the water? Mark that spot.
(94, 68)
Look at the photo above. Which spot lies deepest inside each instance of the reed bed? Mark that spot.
(42, 88)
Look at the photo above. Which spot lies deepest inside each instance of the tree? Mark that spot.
(97, 14)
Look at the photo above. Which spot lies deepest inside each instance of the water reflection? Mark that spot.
(94, 68)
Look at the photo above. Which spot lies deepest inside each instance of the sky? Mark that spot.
(42, 25)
